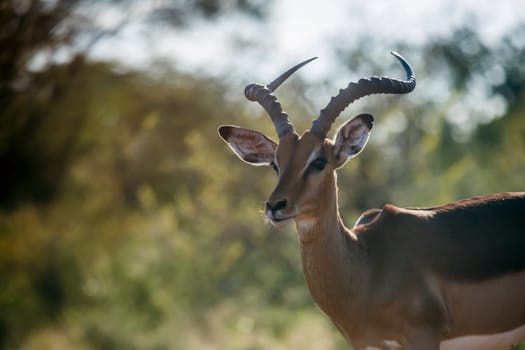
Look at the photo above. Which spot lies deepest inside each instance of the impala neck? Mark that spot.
(331, 259)
(324, 238)
(322, 223)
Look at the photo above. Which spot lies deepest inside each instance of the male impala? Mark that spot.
(448, 277)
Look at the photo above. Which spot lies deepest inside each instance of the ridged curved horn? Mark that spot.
(263, 95)
(363, 87)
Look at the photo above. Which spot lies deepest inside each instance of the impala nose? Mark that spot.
(274, 207)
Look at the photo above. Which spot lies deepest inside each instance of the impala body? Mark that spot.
(448, 277)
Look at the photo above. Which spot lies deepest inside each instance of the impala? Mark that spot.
(447, 277)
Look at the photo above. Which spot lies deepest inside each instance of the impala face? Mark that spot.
(304, 164)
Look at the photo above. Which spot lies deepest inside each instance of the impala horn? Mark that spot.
(363, 87)
(263, 95)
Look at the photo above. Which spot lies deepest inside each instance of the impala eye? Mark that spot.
(318, 164)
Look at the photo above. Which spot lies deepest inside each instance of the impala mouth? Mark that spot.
(279, 221)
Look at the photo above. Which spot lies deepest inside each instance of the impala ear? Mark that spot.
(352, 137)
(250, 146)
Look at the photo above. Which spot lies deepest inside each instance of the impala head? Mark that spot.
(306, 163)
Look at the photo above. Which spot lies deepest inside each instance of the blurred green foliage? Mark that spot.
(126, 223)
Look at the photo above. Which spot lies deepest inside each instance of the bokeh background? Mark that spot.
(125, 222)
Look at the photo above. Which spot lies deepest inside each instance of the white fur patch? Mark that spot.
(305, 225)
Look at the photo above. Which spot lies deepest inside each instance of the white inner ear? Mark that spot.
(252, 147)
(257, 154)
(350, 139)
